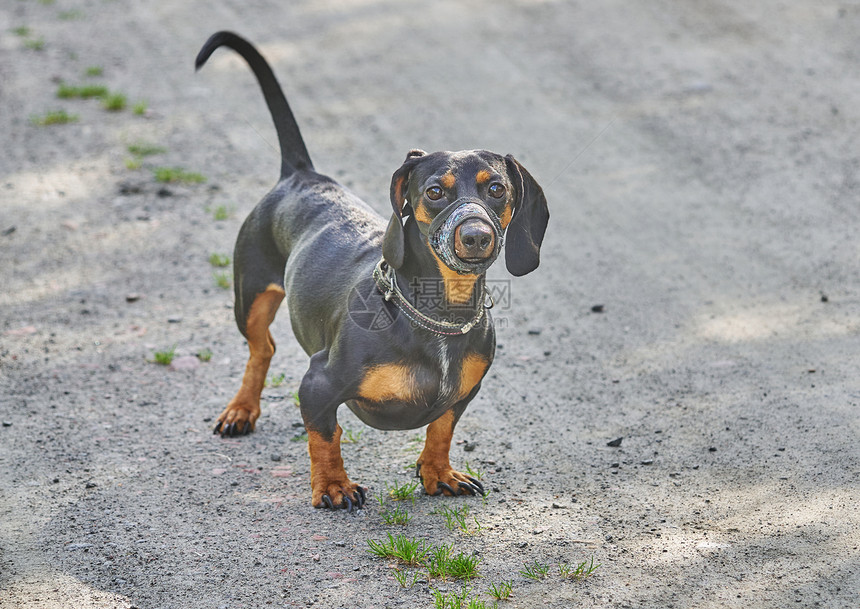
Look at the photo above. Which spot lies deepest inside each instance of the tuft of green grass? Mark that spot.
(302, 437)
(222, 280)
(65, 91)
(457, 518)
(222, 212)
(164, 357)
(21, 30)
(406, 550)
(139, 108)
(402, 578)
(443, 563)
(177, 174)
(114, 102)
(93, 71)
(475, 473)
(220, 260)
(535, 571)
(275, 380)
(55, 117)
(295, 395)
(577, 572)
(144, 149)
(205, 355)
(35, 44)
(133, 164)
(70, 15)
(501, 591)
(402, 492)
(398, 515)
(350, 437)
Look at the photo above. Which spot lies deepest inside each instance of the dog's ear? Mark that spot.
(527, 228)
(393, 244)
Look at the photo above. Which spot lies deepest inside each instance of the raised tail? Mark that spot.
(294, 155)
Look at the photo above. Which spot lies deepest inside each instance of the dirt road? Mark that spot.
(699, 297)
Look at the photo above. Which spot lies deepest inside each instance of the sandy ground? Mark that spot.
(701, 164)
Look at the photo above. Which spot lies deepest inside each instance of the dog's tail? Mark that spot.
(294, 155)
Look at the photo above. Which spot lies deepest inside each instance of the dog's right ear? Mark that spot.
(394, 242)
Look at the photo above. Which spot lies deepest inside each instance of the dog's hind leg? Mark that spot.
(258, 276)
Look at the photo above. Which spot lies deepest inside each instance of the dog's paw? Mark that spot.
(237, 419)
(336, 494)
(439, 481)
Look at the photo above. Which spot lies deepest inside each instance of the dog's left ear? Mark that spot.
(393, 243)
(526, 230)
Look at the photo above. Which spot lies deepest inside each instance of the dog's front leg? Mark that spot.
(319, 400)
(434, 467)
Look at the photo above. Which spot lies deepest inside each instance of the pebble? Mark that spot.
(7, 423)
(647, 462)
(615, 443)
(276, 457)
(598, 308)
(185, 362)
(535, 331)
(133, 297)
(469, 446)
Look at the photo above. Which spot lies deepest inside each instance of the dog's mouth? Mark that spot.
(467, 236)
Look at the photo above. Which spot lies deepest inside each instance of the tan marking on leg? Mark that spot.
(448, 180)
(473, 369)
(388, 382)
(434, 465)
(245, 406)
(328, 477)
(482, 177)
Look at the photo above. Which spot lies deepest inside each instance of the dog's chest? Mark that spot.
(441, 377)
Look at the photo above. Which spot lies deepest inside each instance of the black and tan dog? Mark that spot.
(394, 319)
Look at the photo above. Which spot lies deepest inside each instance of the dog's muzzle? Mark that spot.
(443, 229)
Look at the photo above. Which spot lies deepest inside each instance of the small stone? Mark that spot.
(7, 423)
(174, 319)
(90, 485)
(598, 308)
(276, 457)
(535, 331)
(558, 506)
(712, 449)
(615, 465)
(615, 443)
(469, 446)
(186, 362)
(133, 297)
(647, 462)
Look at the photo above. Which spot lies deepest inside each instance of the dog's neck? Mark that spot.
(431, 286)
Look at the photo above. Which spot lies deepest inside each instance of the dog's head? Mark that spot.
(465, 203)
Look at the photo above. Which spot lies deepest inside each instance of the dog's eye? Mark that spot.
(496, 190)
(434, 193)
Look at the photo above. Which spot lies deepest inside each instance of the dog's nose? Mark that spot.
(474, 240)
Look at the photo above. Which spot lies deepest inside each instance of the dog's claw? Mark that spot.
(469, 488)
(359, 497)
(217, 427)
(327, 500)
(447, 487)
(477, 484)
(347, 504)
(418, 470)
(246, 428)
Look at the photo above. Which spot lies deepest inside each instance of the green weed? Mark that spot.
(205, 355)
(302, 437)
(114, 102)
(535, 571)
(65, 91)
(56, 117)
(398, 515)
(408, 551)
(22, 30)
(402, 492)
(275, 380)
(442, 563)
(403, 578)
(580, 571)
(475, 473)
(222, 212)
(177, 174)
(350, 437)
(35, 44)
(501, 591)
(139, 108)
(457, 518)
(94, 71)
(164, 357)
(222, 280)
(133, 164)
(143, 149)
